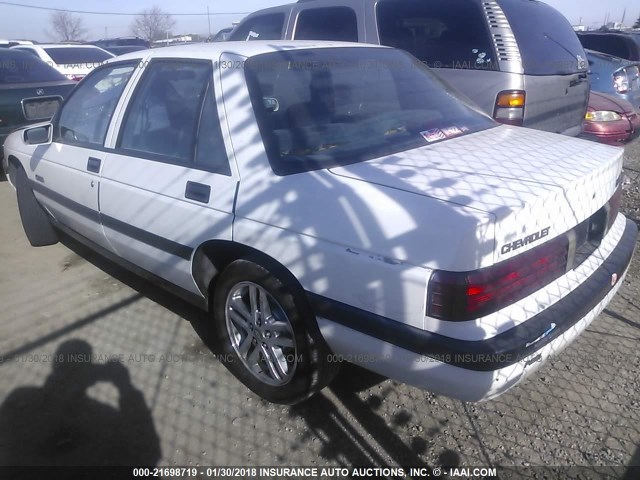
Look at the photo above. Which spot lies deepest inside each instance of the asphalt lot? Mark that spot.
(168, 401)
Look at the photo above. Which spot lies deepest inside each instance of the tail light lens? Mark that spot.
(509, 107)
(462, 296)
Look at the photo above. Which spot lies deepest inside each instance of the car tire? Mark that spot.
(35, 220)
(269, 337)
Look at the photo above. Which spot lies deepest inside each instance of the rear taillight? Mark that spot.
(509, 107)
(621, 82)
(462, 296)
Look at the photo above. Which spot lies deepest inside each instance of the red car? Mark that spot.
(610, 119)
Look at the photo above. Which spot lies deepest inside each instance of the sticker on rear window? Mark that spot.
(437, 134)
(452, 131)
(433, 135)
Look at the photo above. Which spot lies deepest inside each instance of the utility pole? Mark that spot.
(106, 35)
(624, 14)
(209, 20)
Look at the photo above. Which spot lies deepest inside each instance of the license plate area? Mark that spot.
(40, 108)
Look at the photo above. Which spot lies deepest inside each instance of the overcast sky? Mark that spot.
(18, 22)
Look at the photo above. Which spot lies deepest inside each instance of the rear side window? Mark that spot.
(440, 33)
(211, 153)
(335, 23)
(610, 44)
(548, 45)
(265, 27)
(65, 56)
(163, 115)
(22, 67)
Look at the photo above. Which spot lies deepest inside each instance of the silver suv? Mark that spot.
(519, 60)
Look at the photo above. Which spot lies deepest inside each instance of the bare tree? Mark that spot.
(152, 24)
(66, 26)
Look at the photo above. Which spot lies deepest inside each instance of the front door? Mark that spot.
(67, 172)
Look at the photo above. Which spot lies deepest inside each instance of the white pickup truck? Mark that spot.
(331, 202)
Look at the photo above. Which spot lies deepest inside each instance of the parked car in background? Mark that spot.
(30, 91)
(12, 43)
(121, 45)
(333, 202)
(73, 61)
(520, 61)
(620, 45)
(615, 76)
(611, 119)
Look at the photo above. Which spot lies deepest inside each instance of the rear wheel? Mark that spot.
(269, 337)
(35, 220)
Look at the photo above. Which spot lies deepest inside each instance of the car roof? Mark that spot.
(244, 49)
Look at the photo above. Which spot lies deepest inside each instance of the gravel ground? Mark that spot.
(631, 205)
(581, 409)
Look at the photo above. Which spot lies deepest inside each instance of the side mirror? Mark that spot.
(38, 135)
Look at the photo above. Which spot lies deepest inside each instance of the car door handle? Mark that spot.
(198, 192)
(93, 165)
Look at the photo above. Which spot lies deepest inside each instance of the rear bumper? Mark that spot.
(472, 370)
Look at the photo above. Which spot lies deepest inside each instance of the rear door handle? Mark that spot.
(93, 165)
(198, 192)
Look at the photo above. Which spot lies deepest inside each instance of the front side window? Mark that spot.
(163, 115)
(85, 117)
(441, 33)
(265, 27)
(320, 108)
(333, 23)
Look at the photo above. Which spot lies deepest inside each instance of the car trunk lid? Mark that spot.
(528, 180)
(30, 102)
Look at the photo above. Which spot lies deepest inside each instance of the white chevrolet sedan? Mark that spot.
(332, 202)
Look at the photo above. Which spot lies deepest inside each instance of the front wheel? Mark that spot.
(269, 337)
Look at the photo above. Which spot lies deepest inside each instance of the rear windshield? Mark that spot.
(320, 108)
(548, 45)
(441, 33)
(65, 56)
(614, 45)
(21, 67)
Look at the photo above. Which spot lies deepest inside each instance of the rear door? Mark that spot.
(169, 185)
(555, 67)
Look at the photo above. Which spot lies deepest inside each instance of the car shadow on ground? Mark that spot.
(341, 423)
(344, 428)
